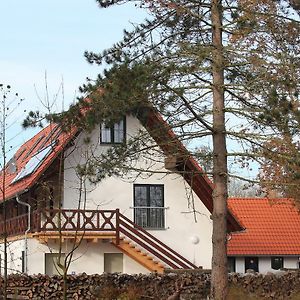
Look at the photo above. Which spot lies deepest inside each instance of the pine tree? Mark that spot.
(211, 68)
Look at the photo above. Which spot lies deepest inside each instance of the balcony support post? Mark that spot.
(117, 226)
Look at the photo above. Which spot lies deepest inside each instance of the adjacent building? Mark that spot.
(271, 238)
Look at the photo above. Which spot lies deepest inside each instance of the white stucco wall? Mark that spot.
(88, 258)
(115, 193)
(240, 264)
(14, 256)
(264, 263)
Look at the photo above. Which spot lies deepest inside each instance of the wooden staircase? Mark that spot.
(141, 257)
(145, 248)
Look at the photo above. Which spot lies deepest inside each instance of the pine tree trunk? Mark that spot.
(219, 276)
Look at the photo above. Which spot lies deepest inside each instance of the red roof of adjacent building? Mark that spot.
(272, 227)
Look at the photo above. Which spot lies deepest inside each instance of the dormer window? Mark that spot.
(114, 134)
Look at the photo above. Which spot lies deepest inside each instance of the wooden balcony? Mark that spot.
(64, 220)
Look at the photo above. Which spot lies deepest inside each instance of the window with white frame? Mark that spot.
(114, 134)
(149, 210)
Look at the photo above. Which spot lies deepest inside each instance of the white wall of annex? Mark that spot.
(88, 258)
(264, 263)
(240, 264)
(182, 225)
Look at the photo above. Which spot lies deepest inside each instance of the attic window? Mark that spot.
(33, 163)
(114, 134)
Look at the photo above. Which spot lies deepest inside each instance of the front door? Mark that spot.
(251, 263)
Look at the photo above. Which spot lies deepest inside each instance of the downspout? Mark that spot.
(26, 232)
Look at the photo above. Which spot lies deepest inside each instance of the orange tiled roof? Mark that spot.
(272, 227)
(50, 135)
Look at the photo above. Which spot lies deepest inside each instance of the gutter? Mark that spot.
(26, 232)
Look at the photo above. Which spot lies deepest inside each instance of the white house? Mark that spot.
(137, 223)
(271, 238)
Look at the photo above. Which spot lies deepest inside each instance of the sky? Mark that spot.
(47, 39)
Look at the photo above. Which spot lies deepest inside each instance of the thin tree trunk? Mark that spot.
(5, 250)
(4, 195)
(219, 276)
(5, 244)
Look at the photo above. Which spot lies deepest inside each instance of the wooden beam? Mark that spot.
(94, 237)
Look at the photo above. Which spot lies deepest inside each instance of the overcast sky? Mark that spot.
(50, 36)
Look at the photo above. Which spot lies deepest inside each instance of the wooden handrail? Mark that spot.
(149, 249)
(156, 243)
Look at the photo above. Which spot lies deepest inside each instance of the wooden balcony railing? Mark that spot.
(77, 220)
(63, 220)
(14, 226)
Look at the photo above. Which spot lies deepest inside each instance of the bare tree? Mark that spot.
(9, 104)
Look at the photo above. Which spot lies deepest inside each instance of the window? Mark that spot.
(149, 211)
(276, 262)
(114, 134)
(113, 262)
(21, 209)
(12, 261)
(251, 263)
(51, 263)
(34, 162)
